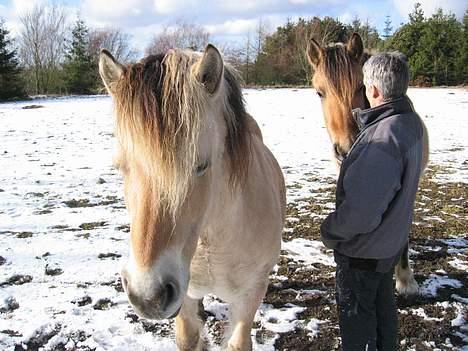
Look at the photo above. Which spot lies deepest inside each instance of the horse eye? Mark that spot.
(201, 168)
(320, 94)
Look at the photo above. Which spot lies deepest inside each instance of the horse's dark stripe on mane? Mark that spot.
(153, 74)
(338, 68)
(237, 138)
(142, 85)
(343, 78)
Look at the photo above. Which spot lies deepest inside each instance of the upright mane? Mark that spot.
(339, 68)
(160, 107)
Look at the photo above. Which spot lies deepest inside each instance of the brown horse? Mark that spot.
(338, 80)
(205, 196)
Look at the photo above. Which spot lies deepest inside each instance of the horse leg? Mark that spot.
(242, 316)
(405, 282)
(189, 326)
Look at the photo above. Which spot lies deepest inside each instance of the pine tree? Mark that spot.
(370, 36)
(79, 67)
(462, 60)
(11, 84)
(388, 27)
(407, 39)
(440, 44)
(434, 46)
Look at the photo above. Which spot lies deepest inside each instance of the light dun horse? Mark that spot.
(338, 80)
(205, 195)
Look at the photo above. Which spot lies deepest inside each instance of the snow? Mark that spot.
(280, 320)
(308, 252)
(313, 326)
(434, 282)
(63, 152)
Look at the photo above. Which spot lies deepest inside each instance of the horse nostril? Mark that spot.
(170, 293)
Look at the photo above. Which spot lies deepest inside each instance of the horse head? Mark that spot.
(338, 81)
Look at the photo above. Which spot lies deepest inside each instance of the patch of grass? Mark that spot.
(92, 225)
(73, 203)
(110, 255)
(24, 235)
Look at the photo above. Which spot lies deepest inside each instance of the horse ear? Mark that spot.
(314, 52)
(109, 69)
(355, 47)
(210, 69)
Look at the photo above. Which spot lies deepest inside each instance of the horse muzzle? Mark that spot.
(157, 301)
(339, 153)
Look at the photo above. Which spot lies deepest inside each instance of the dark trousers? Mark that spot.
(366, 309)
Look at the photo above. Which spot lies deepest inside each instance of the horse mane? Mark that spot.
(340, 69)
(160, 106)
(237, 138)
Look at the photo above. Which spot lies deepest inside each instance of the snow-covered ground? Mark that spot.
(64, 227)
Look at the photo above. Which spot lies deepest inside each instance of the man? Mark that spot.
(375, 195)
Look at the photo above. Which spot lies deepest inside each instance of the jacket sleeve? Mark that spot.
(370, 184)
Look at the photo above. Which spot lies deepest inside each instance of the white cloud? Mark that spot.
(170, 7)
(22, 6)
(232, 27)
(102, 10)
(430, 6)
(314, 2)
(246, 6)
(142, 36)
(346, 17)
(3, 10)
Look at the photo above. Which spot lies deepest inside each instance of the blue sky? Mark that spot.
(226, 20)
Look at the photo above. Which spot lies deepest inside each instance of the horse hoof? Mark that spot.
(407, 287)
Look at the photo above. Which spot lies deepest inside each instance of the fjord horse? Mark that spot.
(338, 80)
(206, 197)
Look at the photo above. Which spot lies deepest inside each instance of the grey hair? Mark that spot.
(388, 72)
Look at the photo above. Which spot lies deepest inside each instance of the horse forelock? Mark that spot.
(160, 106)
(340, 72)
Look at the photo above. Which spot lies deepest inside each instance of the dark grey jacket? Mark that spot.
(377, 185)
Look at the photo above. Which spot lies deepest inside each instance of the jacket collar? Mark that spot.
(364, 118)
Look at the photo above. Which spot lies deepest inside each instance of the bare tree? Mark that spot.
(304, 32)
(183, 36)
(233, 53)
(261, 32)
(42, 44)
(114, 40)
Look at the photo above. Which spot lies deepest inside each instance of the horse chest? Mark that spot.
(206, 271)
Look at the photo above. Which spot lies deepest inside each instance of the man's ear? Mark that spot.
(375, 93)
(210, 69)
(110, 70)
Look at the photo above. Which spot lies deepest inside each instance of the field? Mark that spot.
(64, 231)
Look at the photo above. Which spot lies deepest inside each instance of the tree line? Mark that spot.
(49, 57)
(436, 48)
